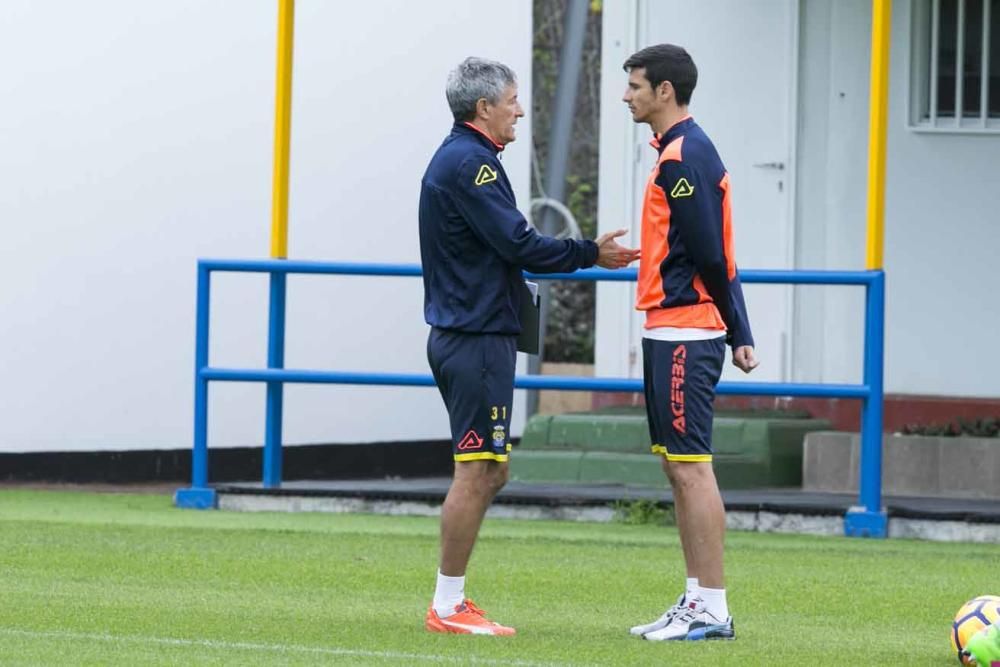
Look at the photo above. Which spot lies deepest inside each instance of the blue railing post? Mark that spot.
(869, 519)
(200, 496)
(275, 389)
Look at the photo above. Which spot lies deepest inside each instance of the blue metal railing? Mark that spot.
(867, 519)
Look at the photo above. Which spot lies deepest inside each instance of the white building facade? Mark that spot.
(137, 137)
(783, 92)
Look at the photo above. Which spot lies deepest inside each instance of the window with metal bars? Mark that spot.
(955, 66)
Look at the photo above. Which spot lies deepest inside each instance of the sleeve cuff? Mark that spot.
(590, 252)
(739, 339)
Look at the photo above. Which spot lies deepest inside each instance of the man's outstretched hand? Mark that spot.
(610, 255)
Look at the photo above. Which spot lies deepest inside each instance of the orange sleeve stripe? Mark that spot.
(728, 247)
(655, 228)
(654, 245)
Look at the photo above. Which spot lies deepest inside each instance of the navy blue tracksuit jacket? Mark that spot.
(474, 242)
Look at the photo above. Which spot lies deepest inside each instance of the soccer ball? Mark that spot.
(974, 615)
(984, 647)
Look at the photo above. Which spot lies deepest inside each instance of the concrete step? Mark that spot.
(573, 466)
(612, 446)
(912, 465)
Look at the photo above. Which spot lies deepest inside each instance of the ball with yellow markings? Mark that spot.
(974, 615)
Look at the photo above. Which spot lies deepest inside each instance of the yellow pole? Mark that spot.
(878, 106)
(282, 130)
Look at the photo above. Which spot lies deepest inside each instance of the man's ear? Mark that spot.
(482, 108)
(665, 90)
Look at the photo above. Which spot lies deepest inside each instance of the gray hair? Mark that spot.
(474, 79)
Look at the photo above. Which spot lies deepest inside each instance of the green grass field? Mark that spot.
(127, 579)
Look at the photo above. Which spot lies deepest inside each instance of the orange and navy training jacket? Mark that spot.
(474, 242)
(687, 273)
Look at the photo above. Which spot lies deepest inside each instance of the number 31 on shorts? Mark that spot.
(498, 411)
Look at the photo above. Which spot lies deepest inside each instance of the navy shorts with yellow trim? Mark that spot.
(679, 379)
(475, 375)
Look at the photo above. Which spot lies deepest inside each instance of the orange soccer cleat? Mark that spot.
(468, 619)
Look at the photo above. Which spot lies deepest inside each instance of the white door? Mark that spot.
(746, 54)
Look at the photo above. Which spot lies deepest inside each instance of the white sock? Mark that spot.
(449, 593)
(691, 589)
(715, 601)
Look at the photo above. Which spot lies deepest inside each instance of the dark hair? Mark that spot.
(667, 62)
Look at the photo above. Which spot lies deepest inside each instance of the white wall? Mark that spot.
(941, 212)
(137, 137)
(616, 343)
(830, 207)
(941, 239)
(941, 221)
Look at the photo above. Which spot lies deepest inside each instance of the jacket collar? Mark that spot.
(661, 141)
(470, 129)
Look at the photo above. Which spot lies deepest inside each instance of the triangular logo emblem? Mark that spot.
(485, 175)
(680, 425)
(682, 189)
(472, 440)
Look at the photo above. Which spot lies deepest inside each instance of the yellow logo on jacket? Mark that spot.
(682, 189)
(485, 175)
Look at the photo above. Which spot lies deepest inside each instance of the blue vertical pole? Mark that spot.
(275, 390)
(871, 449)
(868, 519)
(199, 459)
(200, 496)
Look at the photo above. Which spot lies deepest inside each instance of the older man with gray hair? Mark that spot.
(474, 245)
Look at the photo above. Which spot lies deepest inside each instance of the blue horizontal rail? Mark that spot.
(559, 382)
(288, 266)
(867, 519)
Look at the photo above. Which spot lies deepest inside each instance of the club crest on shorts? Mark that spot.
(499, 437)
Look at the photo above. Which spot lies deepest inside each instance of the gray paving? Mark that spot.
(771, 501)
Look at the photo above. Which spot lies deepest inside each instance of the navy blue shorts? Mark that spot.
(679, 380)
(475, 375)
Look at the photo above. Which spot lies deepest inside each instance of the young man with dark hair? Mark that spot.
(691, 294)
(474, 244)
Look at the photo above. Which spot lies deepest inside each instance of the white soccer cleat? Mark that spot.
(693, 623)
(662, 621)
